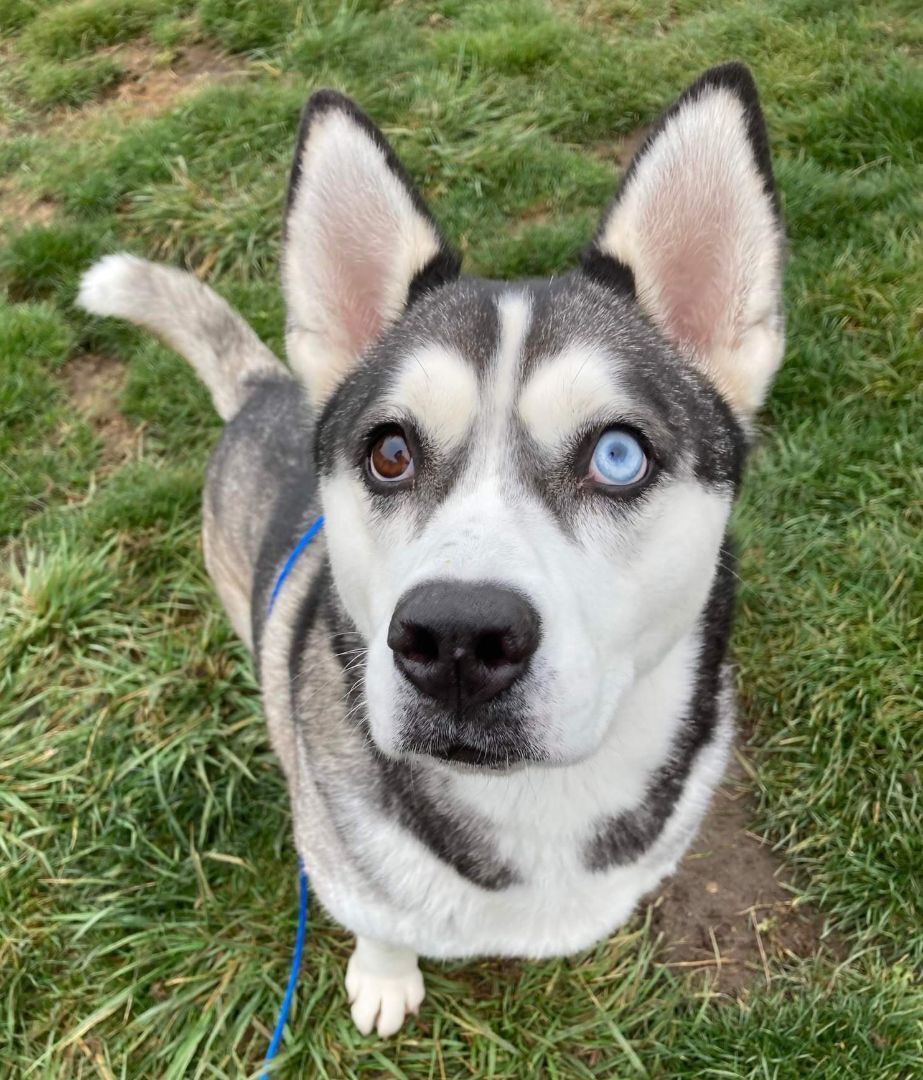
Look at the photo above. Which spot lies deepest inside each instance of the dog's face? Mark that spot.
(537, 454)
(526, 486)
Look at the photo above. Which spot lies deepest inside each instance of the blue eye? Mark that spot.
(618, 459)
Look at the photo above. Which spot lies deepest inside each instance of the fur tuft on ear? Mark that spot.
(360, 244)
(694, 231)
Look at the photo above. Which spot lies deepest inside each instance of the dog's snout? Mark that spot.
(462, 644)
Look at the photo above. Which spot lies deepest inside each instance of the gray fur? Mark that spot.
(187, 315)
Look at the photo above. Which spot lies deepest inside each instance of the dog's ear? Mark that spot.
(695, 233)
(359, 242)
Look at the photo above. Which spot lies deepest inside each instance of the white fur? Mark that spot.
(274, 656)
(610, 607)
(570, 388)
(514, 309)
(439, 389)
(701, 237)
(619, 604)
(613, 600)
(619, 594)
(105, 289)
(355, 241)
(383, 985)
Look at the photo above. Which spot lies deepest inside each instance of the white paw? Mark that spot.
(383, 985)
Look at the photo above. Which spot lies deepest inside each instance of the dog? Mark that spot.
(496, 679)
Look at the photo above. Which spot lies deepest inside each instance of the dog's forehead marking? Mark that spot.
(567, 390)
(440, 390)
(515, 311)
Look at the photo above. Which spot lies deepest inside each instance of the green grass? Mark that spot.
(71, 83)
(60, 31)
(147, 886)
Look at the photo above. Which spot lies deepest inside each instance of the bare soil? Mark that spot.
(150, 87)
(24, 208)
(728, 914)
(620, 151)
(95, 384)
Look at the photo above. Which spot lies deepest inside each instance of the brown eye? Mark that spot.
(390, 458)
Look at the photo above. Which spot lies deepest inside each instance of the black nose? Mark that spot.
(460, 643)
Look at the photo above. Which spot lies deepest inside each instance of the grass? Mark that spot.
(146, 874)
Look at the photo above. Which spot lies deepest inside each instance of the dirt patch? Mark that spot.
(150, 87)
(151, 84)
(630, 145)
(621, 151)
(94, 384)
(539, 213)
(24, 208)
(727, 913)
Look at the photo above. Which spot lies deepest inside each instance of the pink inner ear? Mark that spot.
(361, 303)
(356, 255)
(695, 223)
(696, 266)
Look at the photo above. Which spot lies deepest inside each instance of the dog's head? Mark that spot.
(527, 485)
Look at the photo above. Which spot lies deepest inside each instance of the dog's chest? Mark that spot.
(556, 905)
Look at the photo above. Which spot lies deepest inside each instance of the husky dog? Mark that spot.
(496, 679)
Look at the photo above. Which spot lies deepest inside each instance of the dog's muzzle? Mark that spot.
(462, 646)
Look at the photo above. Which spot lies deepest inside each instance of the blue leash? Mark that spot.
(292, 559)
(276, 1040)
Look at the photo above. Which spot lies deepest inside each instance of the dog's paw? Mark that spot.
(384, 985)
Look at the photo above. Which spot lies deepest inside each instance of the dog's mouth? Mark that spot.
(468, 758)
(490, 739)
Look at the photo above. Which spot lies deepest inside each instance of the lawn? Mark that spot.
(147, 879)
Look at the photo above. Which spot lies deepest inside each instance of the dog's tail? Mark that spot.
(187, 315)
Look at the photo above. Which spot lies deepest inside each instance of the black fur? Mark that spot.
(277, 423)
(683, 416)
(440, 270)
(689, 425)
(461, 842)
(679, 411)
(608, 271)
(264, 456)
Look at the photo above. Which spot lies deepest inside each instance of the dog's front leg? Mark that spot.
(383, 984)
